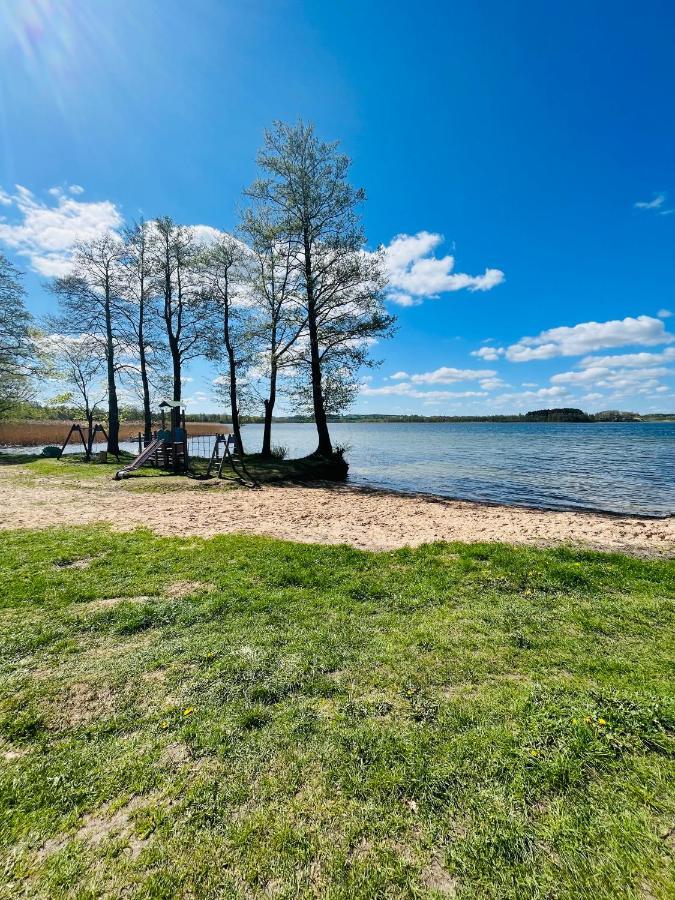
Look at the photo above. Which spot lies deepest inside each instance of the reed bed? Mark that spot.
(38, 434)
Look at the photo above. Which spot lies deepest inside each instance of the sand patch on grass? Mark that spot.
(83, 563)
(110, 602)
(104, 825)
(81, 703)
(180, 589)
(9, 754)
(436, 878)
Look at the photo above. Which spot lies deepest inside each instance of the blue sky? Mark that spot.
(526, 150)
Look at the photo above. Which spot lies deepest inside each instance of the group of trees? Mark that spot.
(18, 357)
(290, 303)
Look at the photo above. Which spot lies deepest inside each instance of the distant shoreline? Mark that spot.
(461, 421)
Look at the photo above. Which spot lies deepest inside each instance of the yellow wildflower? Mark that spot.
(188, 711)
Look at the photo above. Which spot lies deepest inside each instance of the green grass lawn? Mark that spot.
(244, 717)
(72, 469)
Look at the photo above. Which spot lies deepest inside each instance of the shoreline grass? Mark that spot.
(267, 471)
(243, 717)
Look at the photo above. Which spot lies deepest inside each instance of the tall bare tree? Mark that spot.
(176, 256)
(81, 366)
(279, 318)
(305, 186)
(139, 309)
(223, 268)
(89, 304)
(17, 346)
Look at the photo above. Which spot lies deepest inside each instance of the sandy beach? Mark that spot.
(342, 514)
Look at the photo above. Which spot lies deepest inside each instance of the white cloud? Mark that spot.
(46, 233)
(656, 203)
(206, 234)
(630, 360)
(489, 354)
(526, 397)
(447, 375)
(403, 299)
(415, 274)
(587, 376)
(493, 384)
(636, 380)
(407, 389)
(664, 314)
(589, 336)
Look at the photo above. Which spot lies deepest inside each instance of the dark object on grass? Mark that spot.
(51, 452)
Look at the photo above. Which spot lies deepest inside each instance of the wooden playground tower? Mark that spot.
(172, 453)
(168, 448)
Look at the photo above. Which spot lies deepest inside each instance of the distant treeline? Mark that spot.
(538, 415)
(37, 412)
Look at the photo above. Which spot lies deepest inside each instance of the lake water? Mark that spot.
(626, 468)
(622, 467)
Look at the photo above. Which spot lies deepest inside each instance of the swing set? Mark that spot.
(234, 459)
(88, 442)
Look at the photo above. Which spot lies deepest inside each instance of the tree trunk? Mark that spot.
(325, 447)
(90, 436)
(113, 409)
(175, 360)
(234, 401)
(269, 410)
(147, 412)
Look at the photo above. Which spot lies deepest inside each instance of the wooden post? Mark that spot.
(81, 434)
(65, 443)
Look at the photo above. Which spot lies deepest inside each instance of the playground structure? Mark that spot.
(168, 449)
